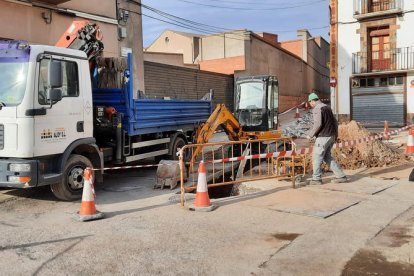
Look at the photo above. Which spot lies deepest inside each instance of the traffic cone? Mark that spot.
(202, 201)
(386, 131)
(87, 209)
(410, 143)
(297, 114)
(307, 106)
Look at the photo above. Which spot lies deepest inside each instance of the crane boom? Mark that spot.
(84, 36)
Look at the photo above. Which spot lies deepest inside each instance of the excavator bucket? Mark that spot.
(168, 174)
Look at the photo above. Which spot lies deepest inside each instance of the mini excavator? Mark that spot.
(256, 107)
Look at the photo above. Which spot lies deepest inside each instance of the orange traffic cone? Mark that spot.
(202, 200)
(297, 114)
(410, 143)
(386, 131)
(88, 210)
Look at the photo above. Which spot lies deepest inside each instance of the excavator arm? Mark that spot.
(220, 117)
(84, 36)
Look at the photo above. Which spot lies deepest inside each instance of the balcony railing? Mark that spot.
(371, 7)
(380, 61)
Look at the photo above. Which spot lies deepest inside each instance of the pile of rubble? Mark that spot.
(364, 155)
(300, 127)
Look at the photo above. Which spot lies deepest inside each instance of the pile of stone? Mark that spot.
(300, 127)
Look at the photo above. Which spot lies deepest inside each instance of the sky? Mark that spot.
(282, 17)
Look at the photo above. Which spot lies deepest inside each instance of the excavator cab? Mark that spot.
(256, 103)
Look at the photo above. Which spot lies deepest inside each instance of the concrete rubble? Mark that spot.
(299, 128)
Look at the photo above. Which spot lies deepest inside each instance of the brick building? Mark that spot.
(300, 65)
(373, 60)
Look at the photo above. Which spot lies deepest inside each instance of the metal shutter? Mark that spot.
(372, 106)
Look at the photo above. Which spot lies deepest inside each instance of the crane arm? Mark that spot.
(84, 36)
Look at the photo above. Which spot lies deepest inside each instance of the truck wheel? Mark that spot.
(178, 144)
(71, 185)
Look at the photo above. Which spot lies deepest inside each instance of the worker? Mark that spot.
(325, 130)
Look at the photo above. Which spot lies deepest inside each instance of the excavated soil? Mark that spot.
(364, 155)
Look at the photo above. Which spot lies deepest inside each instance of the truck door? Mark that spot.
(57, 127)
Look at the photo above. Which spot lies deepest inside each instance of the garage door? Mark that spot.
(374, 105)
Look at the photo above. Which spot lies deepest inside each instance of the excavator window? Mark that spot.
(251, 103)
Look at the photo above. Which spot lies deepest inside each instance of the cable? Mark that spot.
(250, 9)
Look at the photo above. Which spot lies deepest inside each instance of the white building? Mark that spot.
(372, 60)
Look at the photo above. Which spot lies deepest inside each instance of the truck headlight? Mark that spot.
(19, 167)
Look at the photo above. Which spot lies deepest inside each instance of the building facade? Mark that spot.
(300, 65)
(44, 21)
(372, 60)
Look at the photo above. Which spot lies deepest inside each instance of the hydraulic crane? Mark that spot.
(84, 36)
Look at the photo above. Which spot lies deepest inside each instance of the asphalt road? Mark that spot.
(275, 231)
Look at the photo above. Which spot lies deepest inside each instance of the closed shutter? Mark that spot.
(374, 105)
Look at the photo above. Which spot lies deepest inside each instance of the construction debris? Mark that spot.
(365, 155)
(371, 154)
(300, 127)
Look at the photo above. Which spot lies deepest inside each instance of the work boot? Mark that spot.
(315, 182)
(340, 180)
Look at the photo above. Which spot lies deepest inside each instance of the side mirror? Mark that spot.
(55, 74)
(54, 95)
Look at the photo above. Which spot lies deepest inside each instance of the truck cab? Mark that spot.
(41, 120)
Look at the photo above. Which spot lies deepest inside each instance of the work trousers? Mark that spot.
(322, 152)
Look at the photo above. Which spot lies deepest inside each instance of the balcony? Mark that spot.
(398, 59)
(364, 9)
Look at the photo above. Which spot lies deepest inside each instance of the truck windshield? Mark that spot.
(251, 95)
(13, 78)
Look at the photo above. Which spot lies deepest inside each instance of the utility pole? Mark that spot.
(131, 39)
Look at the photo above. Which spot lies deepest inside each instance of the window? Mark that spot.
(363, 82)
(70, 80)
(384, 82)
(370, 82)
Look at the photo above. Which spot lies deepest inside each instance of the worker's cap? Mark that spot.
(313, 97)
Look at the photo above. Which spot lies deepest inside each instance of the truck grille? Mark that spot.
(1, 137)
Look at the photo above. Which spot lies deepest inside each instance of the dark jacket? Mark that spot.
(324, 122)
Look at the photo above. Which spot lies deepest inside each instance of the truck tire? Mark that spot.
(178, 144)
(71, 185)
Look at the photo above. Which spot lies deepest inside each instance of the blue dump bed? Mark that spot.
(146, 116)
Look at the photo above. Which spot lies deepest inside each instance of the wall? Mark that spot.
(317, 66)
(174, 42)
(26, 23)
(182, 83)
(224, 65)
(348, 43)
(168, 58)
(293, 46)
(296, 83)
(405, 38)
(102, 7)
(222, 45)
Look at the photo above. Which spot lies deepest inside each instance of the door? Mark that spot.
(380, 50)
(63, 123)
(273, 103)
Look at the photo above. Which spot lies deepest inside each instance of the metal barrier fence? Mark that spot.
(226, 164)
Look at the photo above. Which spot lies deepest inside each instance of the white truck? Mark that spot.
(54, 123)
